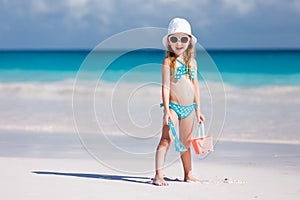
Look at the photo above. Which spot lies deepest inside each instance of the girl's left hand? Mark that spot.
(200, 118)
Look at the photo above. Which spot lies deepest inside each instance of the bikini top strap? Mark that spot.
(179, 61)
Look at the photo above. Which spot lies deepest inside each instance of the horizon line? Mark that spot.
(147, 49)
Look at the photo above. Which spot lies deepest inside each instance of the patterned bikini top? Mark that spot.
(181, 70)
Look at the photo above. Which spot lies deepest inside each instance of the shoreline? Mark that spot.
(74, 135)
(70, 145)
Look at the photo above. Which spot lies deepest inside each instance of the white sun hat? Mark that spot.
(179, 25)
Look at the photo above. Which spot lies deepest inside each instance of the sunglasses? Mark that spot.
(183, 39)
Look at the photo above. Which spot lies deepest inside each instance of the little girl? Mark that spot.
(180, 94)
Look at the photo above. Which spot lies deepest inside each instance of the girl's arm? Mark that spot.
(200, 117)
(166, 90)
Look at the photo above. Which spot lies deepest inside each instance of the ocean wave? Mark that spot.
(60, 90)
(37, 90)
(66, 89)
(266, 94)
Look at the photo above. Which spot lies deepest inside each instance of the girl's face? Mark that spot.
(179, 42)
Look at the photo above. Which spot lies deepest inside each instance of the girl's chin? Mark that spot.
(179, 51)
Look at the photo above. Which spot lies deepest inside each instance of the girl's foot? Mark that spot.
(192, 179)
(159, 182)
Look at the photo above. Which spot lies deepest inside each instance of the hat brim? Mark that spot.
(165, 40)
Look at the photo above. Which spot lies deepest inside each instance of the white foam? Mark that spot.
(65, 89)
(37, 90)
(286, 94)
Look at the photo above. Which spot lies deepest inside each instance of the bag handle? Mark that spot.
(201, 130)
(178, 145)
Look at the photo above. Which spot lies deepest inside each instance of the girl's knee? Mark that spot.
(164, 143)
(187, 143)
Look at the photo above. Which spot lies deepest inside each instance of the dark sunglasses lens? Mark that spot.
(184, 39)
(173, 39)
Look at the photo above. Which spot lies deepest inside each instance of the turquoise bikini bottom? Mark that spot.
(182, 111)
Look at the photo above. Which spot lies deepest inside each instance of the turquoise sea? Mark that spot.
(262, 89)
(237, 67)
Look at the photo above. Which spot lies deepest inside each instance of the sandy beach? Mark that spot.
(56, 166)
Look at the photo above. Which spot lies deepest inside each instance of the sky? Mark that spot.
(83, 24)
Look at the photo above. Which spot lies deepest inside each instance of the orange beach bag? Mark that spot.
(202, 143)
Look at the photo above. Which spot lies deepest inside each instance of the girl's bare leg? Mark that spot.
(161, 152)
(186, 130)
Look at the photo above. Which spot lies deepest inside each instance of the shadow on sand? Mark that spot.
(132, 179)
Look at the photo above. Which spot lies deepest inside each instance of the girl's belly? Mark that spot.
(182, 91)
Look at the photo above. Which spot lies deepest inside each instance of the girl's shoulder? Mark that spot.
(166, 62)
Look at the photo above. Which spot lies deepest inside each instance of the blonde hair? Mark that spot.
(188, 55)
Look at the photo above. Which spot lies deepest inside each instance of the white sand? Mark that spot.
(60, 169)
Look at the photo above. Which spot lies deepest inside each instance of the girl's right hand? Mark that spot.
(167, 117)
